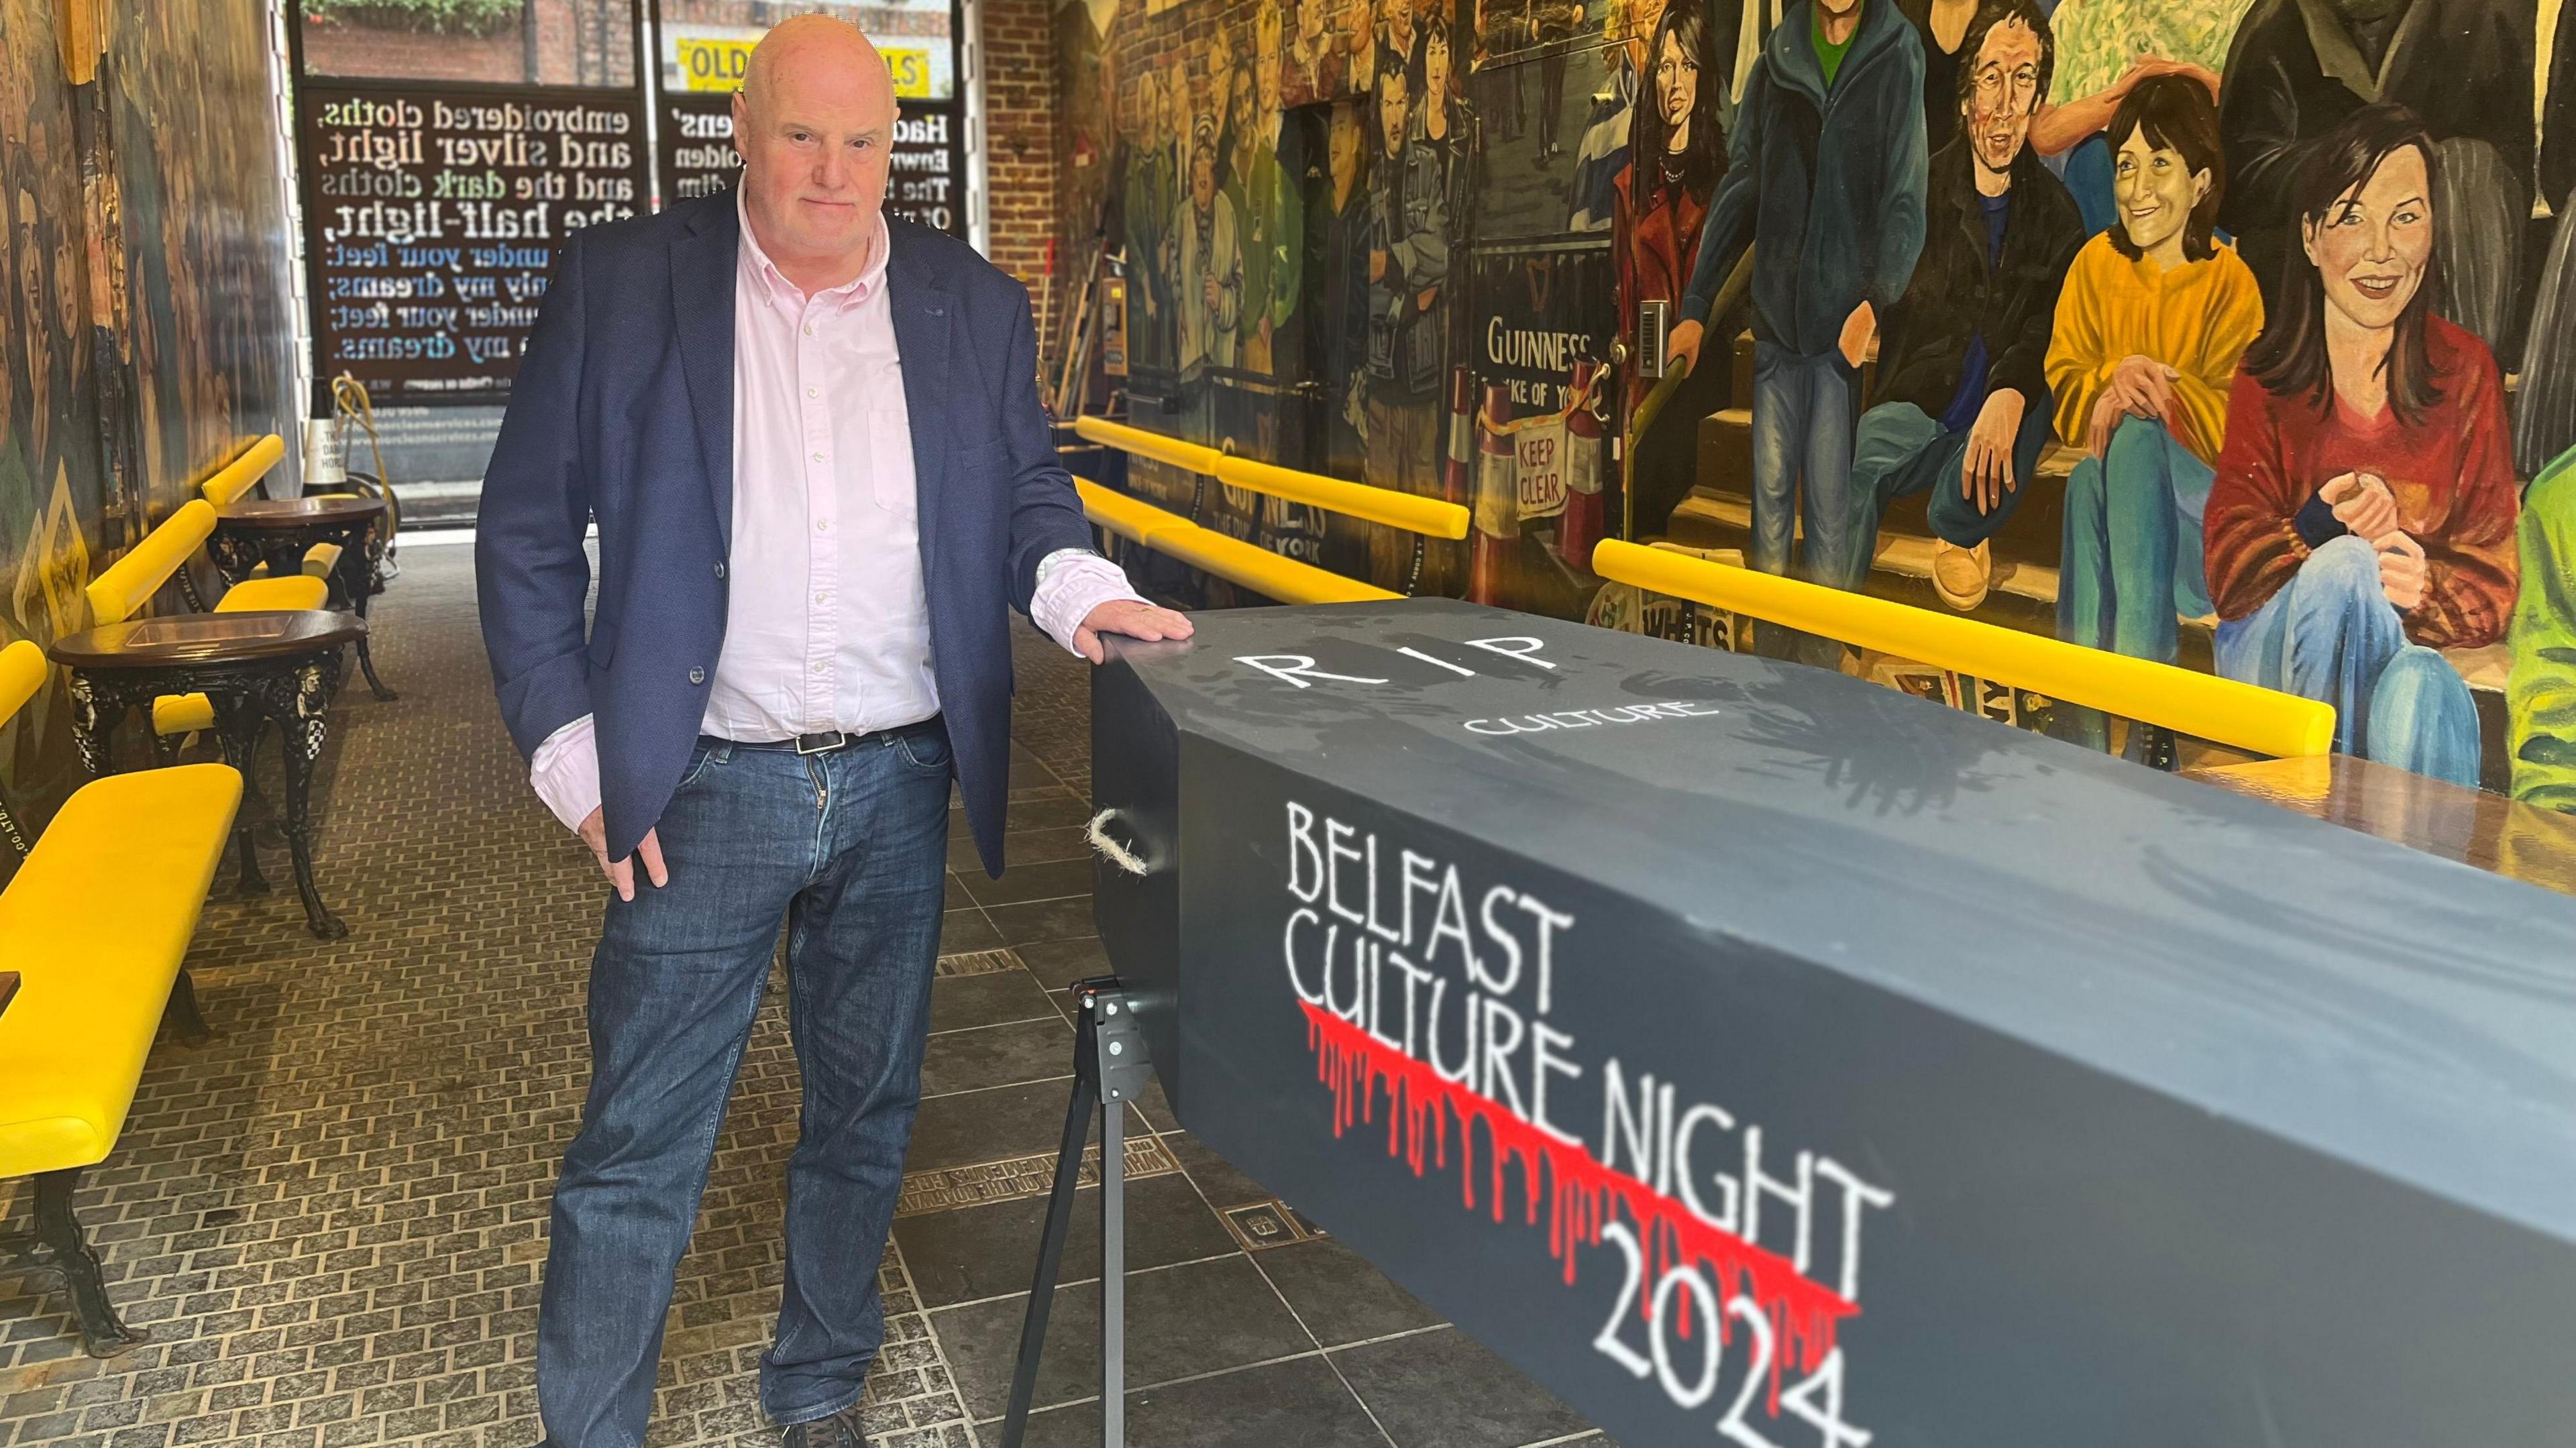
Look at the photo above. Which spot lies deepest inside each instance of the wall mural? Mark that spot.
(201, 291)
(2234, 333)
(52, 479)
(145, 262)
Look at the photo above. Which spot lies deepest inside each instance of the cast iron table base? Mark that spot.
(256, 669)
(278, 532)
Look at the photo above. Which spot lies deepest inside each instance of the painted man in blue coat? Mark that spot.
(1825, 180)
(810, 439)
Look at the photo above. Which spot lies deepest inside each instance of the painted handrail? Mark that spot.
(1739, 280)
(243, 473)
(2184, 700)
(1231, 559)
(1430, 516)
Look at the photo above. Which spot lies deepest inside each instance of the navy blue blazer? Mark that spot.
(623, 413)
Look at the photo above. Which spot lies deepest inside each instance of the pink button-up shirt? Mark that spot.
(827, 625)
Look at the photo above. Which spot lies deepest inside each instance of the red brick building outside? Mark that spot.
(1019, 108)
(575, 42)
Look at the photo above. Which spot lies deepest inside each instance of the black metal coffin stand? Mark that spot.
(1109, 1068)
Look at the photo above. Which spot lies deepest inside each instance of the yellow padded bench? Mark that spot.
(274, 595)
(244, 472)
(96, 923)
(321, 558)
(115, 596)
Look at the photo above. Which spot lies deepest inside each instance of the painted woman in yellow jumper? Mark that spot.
(2153, 317)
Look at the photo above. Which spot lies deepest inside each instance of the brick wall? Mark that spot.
(578, 42)
(344, 48)
(585, 42)
(1019, 98)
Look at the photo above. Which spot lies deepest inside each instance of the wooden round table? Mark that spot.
(255, 668)
(278, 531)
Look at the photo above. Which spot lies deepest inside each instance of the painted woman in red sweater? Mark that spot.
(1676, 154)
(2363, 512)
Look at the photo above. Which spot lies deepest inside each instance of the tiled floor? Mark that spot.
(332, 1217)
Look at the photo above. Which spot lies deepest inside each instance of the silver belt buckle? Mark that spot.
(823, 743)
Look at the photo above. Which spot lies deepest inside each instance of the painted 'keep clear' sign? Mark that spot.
(1542, 457)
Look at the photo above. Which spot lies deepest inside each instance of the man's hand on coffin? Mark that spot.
(1127, 616)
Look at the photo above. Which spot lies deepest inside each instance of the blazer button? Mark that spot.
(697, 676)
(720, 569)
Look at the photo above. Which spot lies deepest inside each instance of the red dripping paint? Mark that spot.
(1582, 1192)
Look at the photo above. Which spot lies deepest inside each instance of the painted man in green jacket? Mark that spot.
(1269, 218)
(2540, 699)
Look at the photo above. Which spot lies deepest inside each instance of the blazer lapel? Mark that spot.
(923, 313)
(702, 277)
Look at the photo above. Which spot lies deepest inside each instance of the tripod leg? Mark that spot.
(1113, 1274)
(1059, 1222)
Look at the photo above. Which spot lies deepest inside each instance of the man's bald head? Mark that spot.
(813, 44)
(814, 121)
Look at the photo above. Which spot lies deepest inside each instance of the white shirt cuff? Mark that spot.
(565, 773)
(1071, 583)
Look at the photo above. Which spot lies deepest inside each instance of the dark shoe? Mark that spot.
(841, 1430)
(2152, 745)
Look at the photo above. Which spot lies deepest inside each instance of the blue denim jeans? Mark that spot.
(2132, 558)
(849, 849)
(1901, 451)
(2331, 635)
(1802, 462)
(1802, 433)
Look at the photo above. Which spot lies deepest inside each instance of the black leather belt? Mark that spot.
(823, 743)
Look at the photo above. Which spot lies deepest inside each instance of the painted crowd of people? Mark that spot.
(2253, 263)
(1243, 265)
(2264, 313)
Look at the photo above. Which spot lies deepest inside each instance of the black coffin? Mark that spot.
(1625, 999)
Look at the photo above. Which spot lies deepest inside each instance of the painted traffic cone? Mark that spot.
(1458, 468)
(1580, 528)
(1497, 506)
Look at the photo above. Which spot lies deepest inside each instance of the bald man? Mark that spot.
(810, 437)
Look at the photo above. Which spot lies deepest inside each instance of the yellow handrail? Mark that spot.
(1124, 515)
(125, 586)
(2184, 700)
(1189, 455)
(23, 670)
(243, 473)
(1231, 559)
(1263, 571)
(1413, 514)
(1365, 501)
